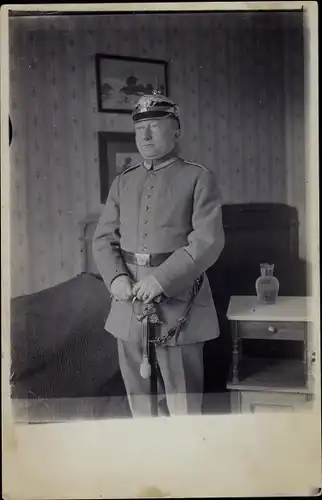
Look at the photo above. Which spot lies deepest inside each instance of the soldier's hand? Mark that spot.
(147, 289)
(121, 287)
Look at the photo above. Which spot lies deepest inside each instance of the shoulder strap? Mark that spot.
(132, 167)
(196, 165)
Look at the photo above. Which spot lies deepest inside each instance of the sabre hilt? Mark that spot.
(147, 310)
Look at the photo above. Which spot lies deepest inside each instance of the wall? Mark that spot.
(294, 125)
(227, 73)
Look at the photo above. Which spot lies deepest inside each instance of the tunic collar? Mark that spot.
(156, 164)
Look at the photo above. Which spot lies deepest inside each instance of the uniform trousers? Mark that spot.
(180, 378)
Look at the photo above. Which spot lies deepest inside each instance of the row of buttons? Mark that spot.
(147, 208)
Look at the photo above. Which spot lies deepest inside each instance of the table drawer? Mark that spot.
(271, 401)
(274, 330)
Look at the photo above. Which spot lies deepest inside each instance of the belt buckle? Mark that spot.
(142, 259)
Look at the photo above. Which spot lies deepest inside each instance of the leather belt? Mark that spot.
(145, 259)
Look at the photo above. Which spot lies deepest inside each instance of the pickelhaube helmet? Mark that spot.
(155, 105)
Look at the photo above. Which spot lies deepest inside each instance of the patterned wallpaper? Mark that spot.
(241, 116)
(294, 127)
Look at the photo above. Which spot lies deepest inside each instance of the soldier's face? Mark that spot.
(156, 137)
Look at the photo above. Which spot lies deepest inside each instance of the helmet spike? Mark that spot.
(156, 90)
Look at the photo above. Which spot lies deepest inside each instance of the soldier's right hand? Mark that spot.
(121, 287)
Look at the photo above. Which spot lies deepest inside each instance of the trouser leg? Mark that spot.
(182, 372)
(138, 388)
(180, 378)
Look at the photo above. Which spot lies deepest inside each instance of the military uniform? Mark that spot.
(171, 209)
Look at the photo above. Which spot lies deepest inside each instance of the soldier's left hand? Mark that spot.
(147, 289)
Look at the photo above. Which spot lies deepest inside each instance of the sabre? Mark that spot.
(145, 367)
(148, 367)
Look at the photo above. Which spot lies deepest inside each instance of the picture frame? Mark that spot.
(120, 81)
(117, 152)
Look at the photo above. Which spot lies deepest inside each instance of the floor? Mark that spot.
(67, 409)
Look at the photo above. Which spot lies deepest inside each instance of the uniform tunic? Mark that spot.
(173, 208)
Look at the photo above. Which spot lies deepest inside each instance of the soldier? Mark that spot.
(160, 230)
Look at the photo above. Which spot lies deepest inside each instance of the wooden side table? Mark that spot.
(281, 375)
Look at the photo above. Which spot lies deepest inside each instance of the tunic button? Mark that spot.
(144, 235)
(147, 197)
(147, 208)
(145, 222)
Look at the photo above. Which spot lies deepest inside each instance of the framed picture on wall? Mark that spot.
(117, 152)
(122, 80)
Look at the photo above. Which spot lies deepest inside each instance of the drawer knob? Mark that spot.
(272, 329)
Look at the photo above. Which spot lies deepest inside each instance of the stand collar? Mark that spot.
(161, 163)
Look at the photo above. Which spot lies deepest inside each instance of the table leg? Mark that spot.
(235, 353)
(309, 358)
(306, 358)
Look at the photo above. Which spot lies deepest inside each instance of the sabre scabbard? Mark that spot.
(145, 368)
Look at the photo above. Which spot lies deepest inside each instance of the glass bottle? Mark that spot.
(267, 285)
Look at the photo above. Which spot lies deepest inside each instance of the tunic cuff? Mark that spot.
(177, 273)
(117, 276)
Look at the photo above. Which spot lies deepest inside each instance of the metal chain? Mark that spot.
(174, 332)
